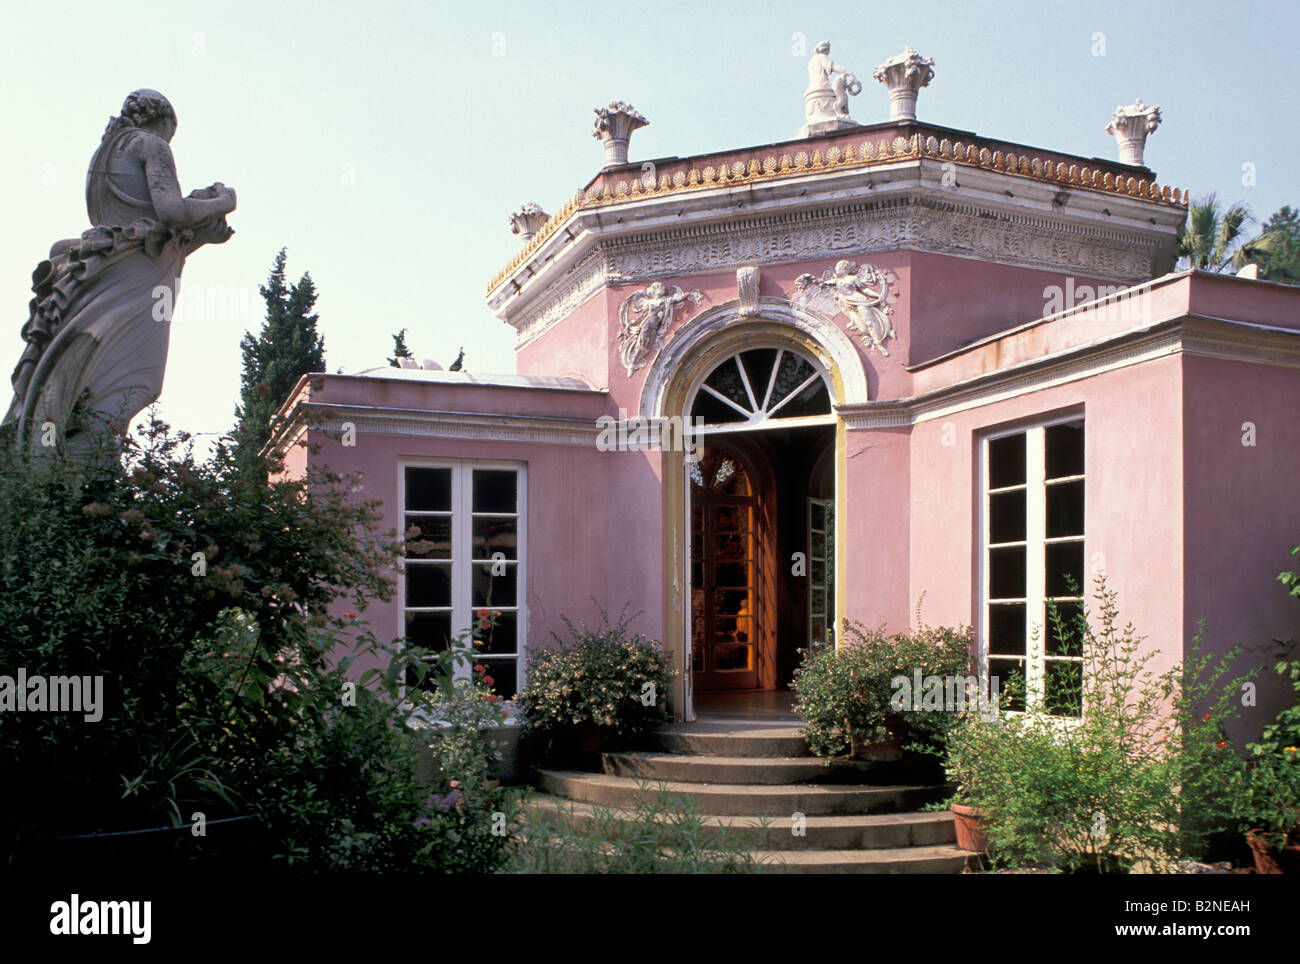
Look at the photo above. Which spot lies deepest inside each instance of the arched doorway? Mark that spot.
(758, 565)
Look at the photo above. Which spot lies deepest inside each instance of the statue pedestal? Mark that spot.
(825, 127)
(820, 114)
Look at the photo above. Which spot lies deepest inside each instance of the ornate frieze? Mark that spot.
(643, 319)
(858, 229)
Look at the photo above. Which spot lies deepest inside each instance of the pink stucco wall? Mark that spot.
(593, 517)
(1242, 513)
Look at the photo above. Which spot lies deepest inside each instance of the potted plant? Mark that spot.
(846, 696)
(1268, 794)
(598, 691)
(965, 756)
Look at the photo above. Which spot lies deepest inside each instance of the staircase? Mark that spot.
(859, 817)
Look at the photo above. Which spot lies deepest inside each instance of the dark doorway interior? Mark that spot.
(755, 603)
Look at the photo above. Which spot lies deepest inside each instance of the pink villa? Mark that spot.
(882, 363)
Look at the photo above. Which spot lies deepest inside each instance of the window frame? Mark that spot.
(1036, 540)
(462, 560)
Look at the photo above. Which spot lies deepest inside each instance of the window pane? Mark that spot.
(726, 382)
(1064, 450)
(732, 657)
(813, 400)
(500, 638)
(731, 518)
(758, 364)
(1007, 461)
(1062, 687)
(713, 411)
(495, 490)
(494, 591)
(1009, 671)
(428, 490)
(428, 585)
(817, 572)
(1064, 562)
(818, 515)
(495, 535)
(1007, 573)
(731, 574)
(1065, 638)
(434, 537)
(1007, 629)
(430, 630)
(1007, 516)
(1065, 509)
(504, 675)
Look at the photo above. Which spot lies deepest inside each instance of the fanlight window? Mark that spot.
(759, 385)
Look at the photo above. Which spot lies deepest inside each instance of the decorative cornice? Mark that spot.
(1185, 334)
(771, 166)
(859, 228)
(469, 426)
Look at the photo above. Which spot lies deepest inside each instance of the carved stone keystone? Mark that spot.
(614, 127)
(904, 74)
(1131, 125)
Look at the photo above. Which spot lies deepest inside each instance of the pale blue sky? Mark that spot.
(445, 117)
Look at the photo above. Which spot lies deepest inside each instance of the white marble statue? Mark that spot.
(829, 88)
(100, 321)
(644, 317)
(861, 292)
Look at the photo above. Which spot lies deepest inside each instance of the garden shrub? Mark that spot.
(1141, 778)
(201, 594)
(606, 676)
(846, 693)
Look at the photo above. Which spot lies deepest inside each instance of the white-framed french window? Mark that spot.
(473, 548)
(1032, 551)
(821, 571)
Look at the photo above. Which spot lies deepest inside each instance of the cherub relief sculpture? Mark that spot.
(861, 292)
(99, 325)
(644, 317)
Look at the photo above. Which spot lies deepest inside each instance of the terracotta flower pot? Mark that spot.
(1270, 861)
(969, 825)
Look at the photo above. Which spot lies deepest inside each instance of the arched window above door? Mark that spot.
(759, 386)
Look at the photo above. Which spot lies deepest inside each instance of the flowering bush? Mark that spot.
(1267, 797)
(604, 676)
(844, 694)
(1142, 776)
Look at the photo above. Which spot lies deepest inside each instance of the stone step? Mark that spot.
(730, 739)
(726, 799)
(771, 771)
(904, 860)
(880, 831)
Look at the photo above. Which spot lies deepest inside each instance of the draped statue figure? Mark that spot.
(100, 321)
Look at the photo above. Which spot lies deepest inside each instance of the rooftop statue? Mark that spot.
(826, 101)
(100, 321)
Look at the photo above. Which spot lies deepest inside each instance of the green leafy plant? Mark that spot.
(1141, 777)
(201, 595)
(606, 676)
(1267, 794)
(845, 694)
(660, 834)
